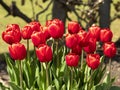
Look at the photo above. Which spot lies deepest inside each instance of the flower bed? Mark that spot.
(58, 66)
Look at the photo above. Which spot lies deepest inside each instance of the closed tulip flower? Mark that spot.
(26, 32)
(44, 53)
(72, 59)
(12, 34)
(44, 29)
(17, 51)
(35, 25)
(38, 38)
(56, 28)
(109, 49)
(77, 50)
(95, 32)
(106, 35)
(73, 27)
(91, 47)
(83, 38)
(93, 60)
(71, 40)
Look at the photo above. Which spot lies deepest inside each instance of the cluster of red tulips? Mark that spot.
(77, 40)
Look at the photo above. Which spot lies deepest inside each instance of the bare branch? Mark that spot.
(14, 10)
(37, 15)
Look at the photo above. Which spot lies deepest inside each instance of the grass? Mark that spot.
(26, 9)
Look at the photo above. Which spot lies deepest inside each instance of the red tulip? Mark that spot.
(12, 34)
(93, 60)
(95, 32)
(26, 32)
(91, 47)
(45, 31)
(35, 25)
(109, 49)
(56, 28)
(106, 35)
(72, 59)
(44, 53)
(83, 38)
(17, 51)
(77, 50)
(73, 27)
(71, 40)
(38, 38)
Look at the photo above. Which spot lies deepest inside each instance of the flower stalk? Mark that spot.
(20, 70)
(47, 76)
(28, 53)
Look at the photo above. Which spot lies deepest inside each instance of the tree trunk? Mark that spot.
(104, 12)
(59, 10)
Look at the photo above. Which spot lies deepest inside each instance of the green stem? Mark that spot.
(47, 76)
(71, 78)
(82, 55)
(90, 80)
(20, 70)
(57, 61)
(28, 54)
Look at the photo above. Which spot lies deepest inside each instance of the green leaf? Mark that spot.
(115, 88)
(14, 86)
(56, 81)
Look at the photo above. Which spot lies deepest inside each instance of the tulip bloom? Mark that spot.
(17, 51)
(72, 59)
(77, 50)
(56, 28)
(26, 32)
(106, 35)
(83, 38)
(45, 31)
(12, 34)
(35, 25)
(95, 32)
(73, 27)
(71, 40)
(44, 53)
(38, 38)
(109, 49)
(93, 60)
(91, 47)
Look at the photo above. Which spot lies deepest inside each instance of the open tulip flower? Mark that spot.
(58, 62)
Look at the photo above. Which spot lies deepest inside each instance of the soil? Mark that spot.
(115, 68)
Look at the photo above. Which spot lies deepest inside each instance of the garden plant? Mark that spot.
(62, 59)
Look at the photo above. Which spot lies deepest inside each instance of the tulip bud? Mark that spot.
(17, 51)
(106, 35)
(44, 53)
(77, 50)
(83, 38)
(109, 49)
(45, 31)
(12, 34)
(38, 38)
(95, 32)
(93, 60)
(71, 40)
(91, 47)
(72, 59)
(26, 32)
(73, 27)
(56, 28)
(35, 25)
